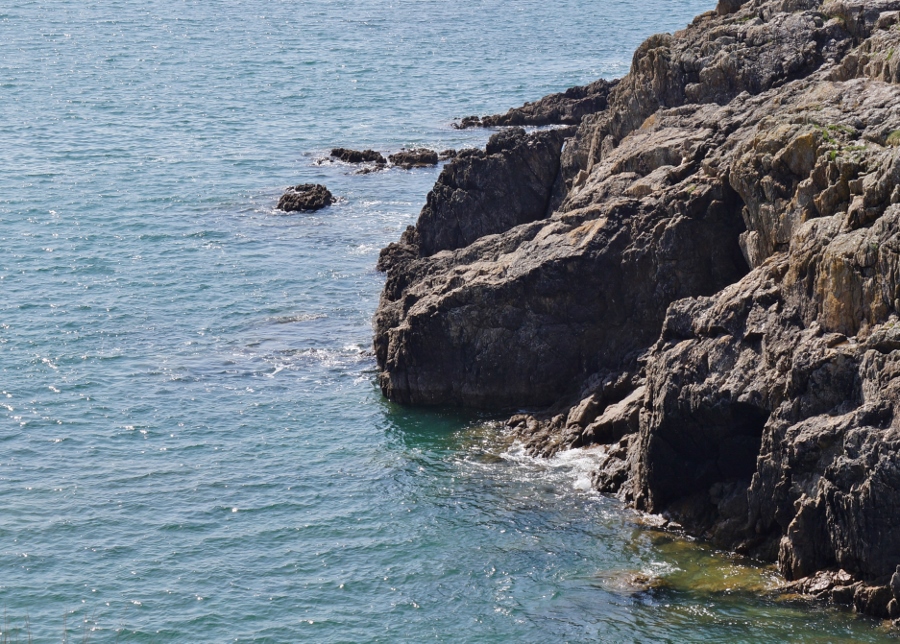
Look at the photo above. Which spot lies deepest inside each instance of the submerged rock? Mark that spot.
(306, 196)
(629, 582)
(369, 169)
(417, 158)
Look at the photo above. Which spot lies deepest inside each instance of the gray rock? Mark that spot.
(418, 158)
(515, 319)
(487, 193)
(565, 108)
(712, 289)
(895, 583)
(306, 196)
(358, 156)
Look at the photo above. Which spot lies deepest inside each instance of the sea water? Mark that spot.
(192, 444)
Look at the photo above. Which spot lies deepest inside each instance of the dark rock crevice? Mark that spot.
(691, 451)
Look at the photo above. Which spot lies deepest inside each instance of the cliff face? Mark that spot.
(705, 275)
(517, 317)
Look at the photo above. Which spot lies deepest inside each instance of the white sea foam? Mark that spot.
(571, 467)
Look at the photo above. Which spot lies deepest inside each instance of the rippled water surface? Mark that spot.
(192, 448)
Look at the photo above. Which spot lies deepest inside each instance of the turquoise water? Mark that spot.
(192, 447)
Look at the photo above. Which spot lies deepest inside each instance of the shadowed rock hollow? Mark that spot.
(703, 275)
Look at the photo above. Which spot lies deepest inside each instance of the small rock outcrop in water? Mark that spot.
(565, 108)
(418, 158)
(357, 156)
(306, 196)
(704, 276)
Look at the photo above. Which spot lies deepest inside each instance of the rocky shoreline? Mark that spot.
(701, 271)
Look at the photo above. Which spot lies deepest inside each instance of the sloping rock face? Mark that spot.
(712, 291)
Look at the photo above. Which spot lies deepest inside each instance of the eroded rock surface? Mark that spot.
(712, 289)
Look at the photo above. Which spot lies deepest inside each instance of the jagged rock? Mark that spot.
(463, 206)
(802, 414)
(357, 156)
(841, 588)
(712, 290)
(613, 470)
(565, 108)
(609, 410)
(873, 600)
(505, 322)
(617, 420)
(759, 46)
(724, 7)
(481, 193)
(878, 57)
(306, 196)
(418, 158)
(447, 154)
(895, 583)
(861, 17)
(502, 323)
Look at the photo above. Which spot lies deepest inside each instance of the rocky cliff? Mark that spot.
(703, 275)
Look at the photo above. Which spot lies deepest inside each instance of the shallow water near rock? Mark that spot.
(193, 447)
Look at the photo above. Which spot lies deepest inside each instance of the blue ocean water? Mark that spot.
(192, 446)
